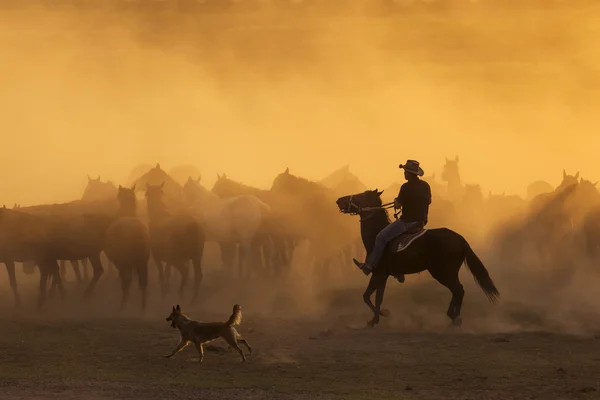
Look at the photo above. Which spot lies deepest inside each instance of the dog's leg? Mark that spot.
(179, 347)
(200, 349)
(245, 343)
(232, 341)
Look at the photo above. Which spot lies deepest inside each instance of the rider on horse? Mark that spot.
(414, 200)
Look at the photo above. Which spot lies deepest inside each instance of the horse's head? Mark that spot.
(355, 203)
(588, 185)
(225, 187)
(588, 190)
(126, 196)
(450, 172)
(568, 180)
(191, 189)
(285, 183)
(154, 192)
(181, 173)
(98, 190)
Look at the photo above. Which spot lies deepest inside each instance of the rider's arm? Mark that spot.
(398, 200)
(428, 194)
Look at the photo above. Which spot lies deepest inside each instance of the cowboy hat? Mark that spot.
(412, 167)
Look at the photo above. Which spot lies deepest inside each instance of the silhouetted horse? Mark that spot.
(308, 205)
(44, 239)
(230, 221)
(172, 191)
(283, 235)
(127, 245)
(451, 175)
(174, 239)
(96, 192)
(439, 251)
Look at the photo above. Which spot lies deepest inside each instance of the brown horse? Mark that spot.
(96, 192)
(439, 251)
(127, 245)
(174, 239)
(309, 212)
(76, 210)
(44, 239)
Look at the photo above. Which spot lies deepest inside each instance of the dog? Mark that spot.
(200, 333)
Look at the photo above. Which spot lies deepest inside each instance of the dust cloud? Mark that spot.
(99, 89)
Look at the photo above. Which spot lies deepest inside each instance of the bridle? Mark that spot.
(354, 209)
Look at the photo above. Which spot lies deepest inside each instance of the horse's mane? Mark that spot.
(305, 185)
(242, 185)
(379, 203)
(154, 176)
(199, 189)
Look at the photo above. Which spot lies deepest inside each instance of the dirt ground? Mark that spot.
(75, 350)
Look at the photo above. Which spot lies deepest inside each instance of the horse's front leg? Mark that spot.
(371, 288)
(381, 283)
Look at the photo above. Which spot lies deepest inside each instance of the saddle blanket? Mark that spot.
(403, 241)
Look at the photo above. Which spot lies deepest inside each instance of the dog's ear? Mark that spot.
(178, 308)
(173, 308)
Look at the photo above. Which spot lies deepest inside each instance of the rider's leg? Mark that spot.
(388, 233)
(410, 225)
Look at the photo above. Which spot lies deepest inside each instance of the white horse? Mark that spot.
(230, 221)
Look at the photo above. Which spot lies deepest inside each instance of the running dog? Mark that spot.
(200, 333)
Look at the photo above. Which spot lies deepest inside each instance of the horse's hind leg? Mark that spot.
(185, 272)
(57, 280)
(98, 271)
(43, 284)
(142, 273)
(198, 275)
(10, 268)
(75, 266)
(458, 293)
(126, 276)
(161, 276)
(84, 267)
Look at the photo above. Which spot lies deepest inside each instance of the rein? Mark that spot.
(354, 209)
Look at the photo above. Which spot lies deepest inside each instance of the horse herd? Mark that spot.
(259, 231)
(256, 230)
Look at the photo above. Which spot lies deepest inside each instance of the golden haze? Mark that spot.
(95, 91)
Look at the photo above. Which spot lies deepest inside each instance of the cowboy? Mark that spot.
(414, 199)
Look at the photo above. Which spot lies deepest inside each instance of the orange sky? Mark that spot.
(95, 93)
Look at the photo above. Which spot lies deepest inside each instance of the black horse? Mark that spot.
(439, 251)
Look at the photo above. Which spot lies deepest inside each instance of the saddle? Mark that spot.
(406, 239)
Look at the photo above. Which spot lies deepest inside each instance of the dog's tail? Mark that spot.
(236, 316)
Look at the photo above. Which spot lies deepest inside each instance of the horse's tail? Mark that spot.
(480, 273)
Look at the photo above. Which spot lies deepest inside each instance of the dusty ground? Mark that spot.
(503, 352)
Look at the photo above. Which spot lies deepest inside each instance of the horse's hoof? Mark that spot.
(371, 323)
(456, 322)
(385, 313)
